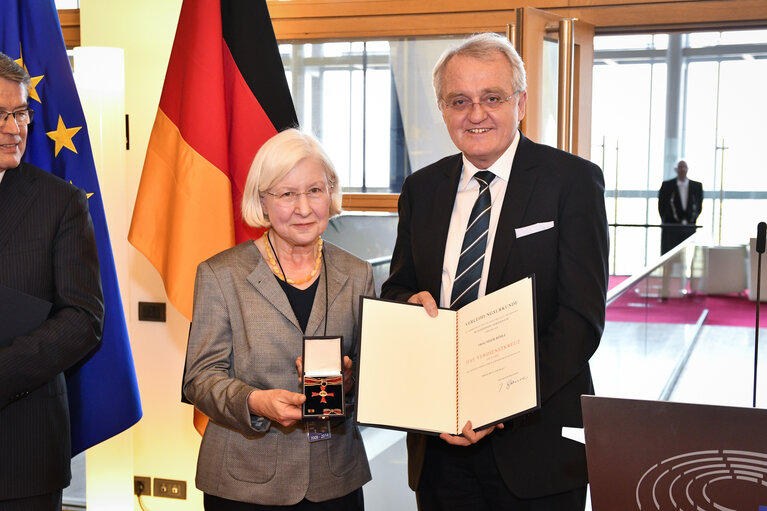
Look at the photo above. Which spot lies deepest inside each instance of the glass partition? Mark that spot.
(653, 318)
(369, 236)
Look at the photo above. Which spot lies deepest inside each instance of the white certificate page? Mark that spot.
(497, 375)
(407, 367)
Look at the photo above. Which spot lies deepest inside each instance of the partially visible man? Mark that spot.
(47, 250)
(679, 204)
(545, 215)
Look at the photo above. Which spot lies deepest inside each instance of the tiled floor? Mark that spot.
(633, 361)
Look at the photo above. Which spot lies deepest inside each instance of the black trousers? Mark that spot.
(45, 502)
(467, 479)
(351, 502)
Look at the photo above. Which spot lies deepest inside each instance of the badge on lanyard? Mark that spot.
(318, 430)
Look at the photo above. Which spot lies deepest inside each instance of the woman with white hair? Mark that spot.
(253, 305)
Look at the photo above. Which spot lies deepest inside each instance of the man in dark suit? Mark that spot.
(679, 204)
(547, 217)
(47, 250)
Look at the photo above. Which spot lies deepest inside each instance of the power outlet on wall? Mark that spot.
(142, 486)
(169, 488)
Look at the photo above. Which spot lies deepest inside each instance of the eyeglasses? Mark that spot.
(464, 104)
(314, 193)
(22, 117)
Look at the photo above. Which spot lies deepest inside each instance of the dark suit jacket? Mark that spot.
(671, 212)
(570, 265)
(48, 250)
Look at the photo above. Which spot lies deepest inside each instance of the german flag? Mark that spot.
(225, 94)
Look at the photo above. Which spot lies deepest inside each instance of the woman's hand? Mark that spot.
(277, 405)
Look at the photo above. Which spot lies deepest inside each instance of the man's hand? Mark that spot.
(469, 436)
(277, 405)
(429, 304)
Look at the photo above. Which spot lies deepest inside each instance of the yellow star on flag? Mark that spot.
(63, 137)
(87, 195)
(33, 80)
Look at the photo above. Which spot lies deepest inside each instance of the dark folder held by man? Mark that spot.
(20, 313)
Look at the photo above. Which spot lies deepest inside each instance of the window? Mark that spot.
(372, 105)
(640, 131)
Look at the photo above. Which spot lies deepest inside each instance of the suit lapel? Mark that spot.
(17, 195)
(442, 210)
(678, 202)
(265, 283)
(336, 279)
(263, 280)
(515, 202)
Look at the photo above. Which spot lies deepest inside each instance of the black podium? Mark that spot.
(663, 456)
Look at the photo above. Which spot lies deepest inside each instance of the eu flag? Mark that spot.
(103, 392)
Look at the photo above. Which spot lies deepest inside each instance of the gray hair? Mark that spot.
(484, 46)
(10, 70)
(278, 156)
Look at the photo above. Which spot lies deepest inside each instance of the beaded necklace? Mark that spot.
(274, 262)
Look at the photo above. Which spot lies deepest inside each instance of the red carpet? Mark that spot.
(643, 305)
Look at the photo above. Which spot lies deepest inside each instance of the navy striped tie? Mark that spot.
(469, 272)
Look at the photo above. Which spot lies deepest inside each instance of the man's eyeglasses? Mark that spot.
(313, 194)
(22, 117)
(464, 104)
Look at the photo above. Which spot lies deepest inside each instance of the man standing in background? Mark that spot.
(47, 251)
(679, 204)
(503, 209)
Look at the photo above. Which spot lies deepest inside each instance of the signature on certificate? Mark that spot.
(510, 382)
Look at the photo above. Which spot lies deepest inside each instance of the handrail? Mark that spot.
(614, 293)
(663, 226)
(378, 261)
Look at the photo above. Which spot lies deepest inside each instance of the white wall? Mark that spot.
(164, 443)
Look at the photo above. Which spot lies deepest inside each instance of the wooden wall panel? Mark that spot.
(672, 16)
(394, 25)
(384, 202)
(348, 19)
(70, 26)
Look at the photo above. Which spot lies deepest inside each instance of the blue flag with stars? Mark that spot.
(103, 391)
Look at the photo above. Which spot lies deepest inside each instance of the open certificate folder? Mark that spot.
(434, 374)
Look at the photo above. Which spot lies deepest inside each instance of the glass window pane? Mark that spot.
(722, 107)
(744, 37)
(623, 42)
(549, 94)
(742, 86)
(372, 105)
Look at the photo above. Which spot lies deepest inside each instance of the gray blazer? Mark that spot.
(244, 336)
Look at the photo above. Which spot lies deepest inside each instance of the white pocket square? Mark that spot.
(532, 229)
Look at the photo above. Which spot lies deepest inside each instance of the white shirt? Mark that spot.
(468, 190)
(2, 173)
(683, 187)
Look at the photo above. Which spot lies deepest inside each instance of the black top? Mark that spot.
(301, 300)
